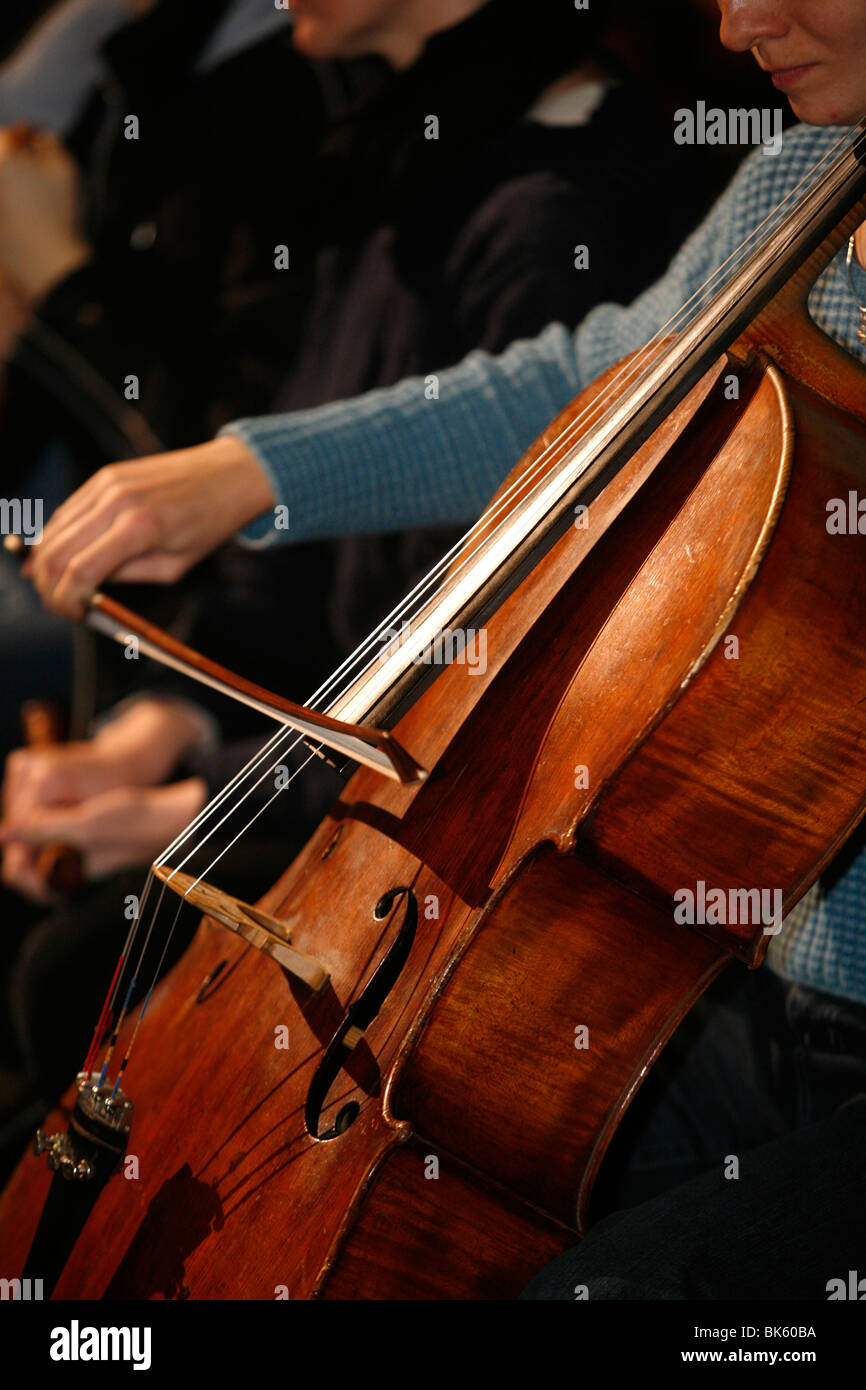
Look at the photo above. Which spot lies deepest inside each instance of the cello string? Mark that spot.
(268, 771)
(632, 372)
(121, 1017)
(117, 978)
(244, 828)
(143, 951)
(117, 982)
(103, 1022)
(170, 934)
(142, 1011)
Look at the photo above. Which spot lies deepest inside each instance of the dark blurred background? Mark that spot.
(16, 16)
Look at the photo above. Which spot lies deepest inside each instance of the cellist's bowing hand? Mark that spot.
(124, 828)
(147, 521)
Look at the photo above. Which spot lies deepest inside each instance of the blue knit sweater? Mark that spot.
(404, 457)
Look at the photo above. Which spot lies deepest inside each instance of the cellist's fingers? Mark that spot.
(85, 513)
(160, 514)
(105, 487)
(76, 524)
(79, 572)
(70, 572)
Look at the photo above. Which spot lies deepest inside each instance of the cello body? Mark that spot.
(674, 696)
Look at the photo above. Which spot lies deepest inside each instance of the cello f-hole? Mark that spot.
(360, 1015)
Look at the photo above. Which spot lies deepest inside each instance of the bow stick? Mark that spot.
(374, 748)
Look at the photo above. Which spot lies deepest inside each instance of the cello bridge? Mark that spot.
(267, 933)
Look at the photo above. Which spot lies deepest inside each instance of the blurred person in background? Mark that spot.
(137, 299)
(16, 18)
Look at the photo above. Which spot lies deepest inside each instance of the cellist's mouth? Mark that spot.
(788, 77)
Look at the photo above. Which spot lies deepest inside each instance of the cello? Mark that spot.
(397, 1074)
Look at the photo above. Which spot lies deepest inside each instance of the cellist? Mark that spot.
(788, 1052)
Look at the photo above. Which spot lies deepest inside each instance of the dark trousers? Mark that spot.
(739, 1171)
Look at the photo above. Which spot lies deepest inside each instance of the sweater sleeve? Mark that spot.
(431, 451)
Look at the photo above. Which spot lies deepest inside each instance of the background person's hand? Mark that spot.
(41, 234)
(139, 748)
(15, 314)
(117, 829)
(147, 521)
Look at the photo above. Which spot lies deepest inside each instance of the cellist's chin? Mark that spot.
(819, 101)
(825, 113)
